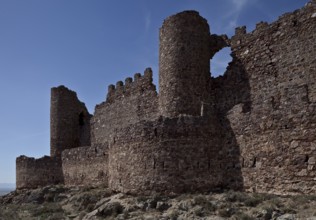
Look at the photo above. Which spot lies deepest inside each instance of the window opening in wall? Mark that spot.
(254, 162)
(306, 158)
(294, 22)
(220, 61)
(81, 119)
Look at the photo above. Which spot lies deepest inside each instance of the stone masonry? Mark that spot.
(252, 129)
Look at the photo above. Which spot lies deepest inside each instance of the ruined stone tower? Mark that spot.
(257, 133)
(69, 121)
(184, 63)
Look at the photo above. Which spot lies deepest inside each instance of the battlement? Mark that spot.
(29, 161)
(285, 22)
(252, 129)
(139, 85)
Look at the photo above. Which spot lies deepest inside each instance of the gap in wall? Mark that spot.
(220, 62)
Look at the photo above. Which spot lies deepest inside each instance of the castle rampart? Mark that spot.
(160, 156)
(125, 104)
(85, 165)
(269, 104)
(251, 129)
(32, 173)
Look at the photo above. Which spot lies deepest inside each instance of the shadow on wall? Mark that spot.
(230, 90)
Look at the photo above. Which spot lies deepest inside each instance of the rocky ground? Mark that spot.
(60, 202)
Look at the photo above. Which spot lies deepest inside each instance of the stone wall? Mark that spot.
(125, 104)
(85, 165)
(184, 64)
(69, 121)
(170, 155)
(32, 173)
(268, 96)
(252, 129)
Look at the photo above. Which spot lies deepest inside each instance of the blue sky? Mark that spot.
(87, 45)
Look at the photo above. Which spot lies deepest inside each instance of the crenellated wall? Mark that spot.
(252, 129)
(268, 96)
(85, 165)
(125, 104)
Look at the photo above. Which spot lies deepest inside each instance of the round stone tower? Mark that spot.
(184, 64)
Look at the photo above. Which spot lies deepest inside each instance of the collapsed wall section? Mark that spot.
(85, 165)
(69, 121)
(126, 104)
(32, 173)
(267, 98)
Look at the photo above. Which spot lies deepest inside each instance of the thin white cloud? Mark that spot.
(232, 23)
(239, 4)
(233, 13)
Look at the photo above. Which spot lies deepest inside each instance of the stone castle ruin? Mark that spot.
(252, 129)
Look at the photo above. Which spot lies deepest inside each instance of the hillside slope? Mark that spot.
(60, 202)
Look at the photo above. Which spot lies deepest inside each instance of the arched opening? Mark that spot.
(220, 61)
(81, 119)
